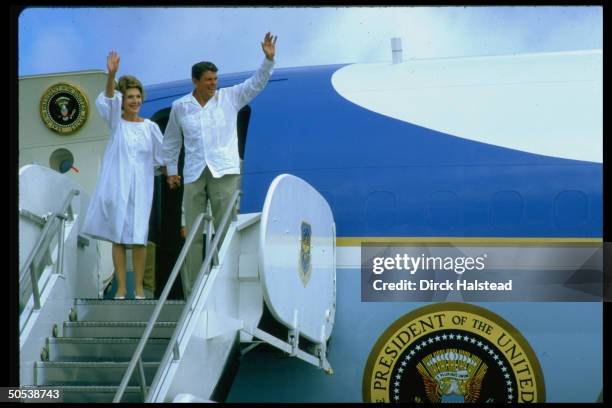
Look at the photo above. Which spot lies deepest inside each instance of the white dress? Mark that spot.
(121, 203)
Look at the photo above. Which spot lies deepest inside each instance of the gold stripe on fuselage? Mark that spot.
(478, 241)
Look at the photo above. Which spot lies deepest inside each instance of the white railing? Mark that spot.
(41, 254)
(172, 350)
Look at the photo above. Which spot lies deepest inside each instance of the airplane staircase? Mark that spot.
(99, 339)
(279, 262)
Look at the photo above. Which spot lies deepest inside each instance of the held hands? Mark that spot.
(269, 46)
(173, 181)
(112, 62)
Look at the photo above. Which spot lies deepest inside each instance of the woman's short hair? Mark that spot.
(128, 81)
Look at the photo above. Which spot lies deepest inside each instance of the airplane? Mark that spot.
(434, 157)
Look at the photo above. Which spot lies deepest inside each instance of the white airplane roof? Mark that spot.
(549, 104)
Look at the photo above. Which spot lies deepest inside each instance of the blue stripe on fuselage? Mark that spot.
(385, 177)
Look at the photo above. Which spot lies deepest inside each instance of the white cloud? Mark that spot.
(160, 44)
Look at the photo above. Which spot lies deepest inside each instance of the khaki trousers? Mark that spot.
(219, 191)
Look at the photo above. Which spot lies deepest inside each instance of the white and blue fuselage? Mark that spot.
(487, 149)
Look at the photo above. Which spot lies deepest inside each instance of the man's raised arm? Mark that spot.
(243, 93)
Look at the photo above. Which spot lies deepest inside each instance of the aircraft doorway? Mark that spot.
(165, 219)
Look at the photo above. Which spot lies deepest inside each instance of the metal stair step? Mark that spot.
(117, 329)
(93, 393)
(126, 310)
(103, 349)
(88, 373)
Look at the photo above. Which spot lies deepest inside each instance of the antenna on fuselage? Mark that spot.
(396, 50)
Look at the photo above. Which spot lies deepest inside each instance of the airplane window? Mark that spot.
(571, 209)
(61, 160)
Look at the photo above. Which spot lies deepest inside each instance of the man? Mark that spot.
(206, 119)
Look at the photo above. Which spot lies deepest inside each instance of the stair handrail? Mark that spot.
(172, 347)
(136, 357)
(44, 242)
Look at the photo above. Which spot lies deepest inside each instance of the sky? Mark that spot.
(160, 44)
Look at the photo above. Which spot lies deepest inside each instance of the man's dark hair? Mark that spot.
(198, 69)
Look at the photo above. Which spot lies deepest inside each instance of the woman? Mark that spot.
(121, 203)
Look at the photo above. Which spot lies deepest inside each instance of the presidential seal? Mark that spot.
(64, 108)
(305, 266)
(452, 352)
